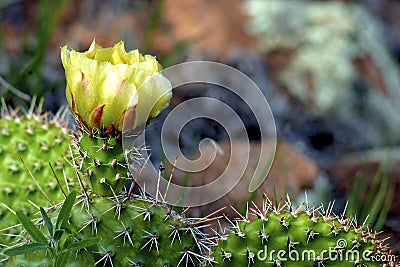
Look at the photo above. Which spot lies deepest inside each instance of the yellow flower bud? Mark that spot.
(103, 84)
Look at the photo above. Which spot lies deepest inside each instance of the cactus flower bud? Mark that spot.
(103, 84)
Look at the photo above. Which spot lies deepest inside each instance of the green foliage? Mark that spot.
(370, 203)
(26, 73)
(59, 243)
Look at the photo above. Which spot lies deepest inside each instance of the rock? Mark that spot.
(330, 58)
(291, 173)
(214, 27)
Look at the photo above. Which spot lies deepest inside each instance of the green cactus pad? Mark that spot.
(302, 237)
(134, 232)
(101, 160)
(28, 143)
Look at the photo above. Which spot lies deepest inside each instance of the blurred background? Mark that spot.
(329, 69)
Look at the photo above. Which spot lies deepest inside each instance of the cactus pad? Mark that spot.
(28, 143)
(300, 237)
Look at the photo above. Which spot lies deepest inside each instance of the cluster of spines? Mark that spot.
(299, 228)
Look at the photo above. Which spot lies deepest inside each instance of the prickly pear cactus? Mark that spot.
(108, 89)
(28, 143)
(133, 231)
(300, 237)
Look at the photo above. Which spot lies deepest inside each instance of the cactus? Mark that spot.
(300, 237)
(135, 231)
(28, 143)
(106, 86)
